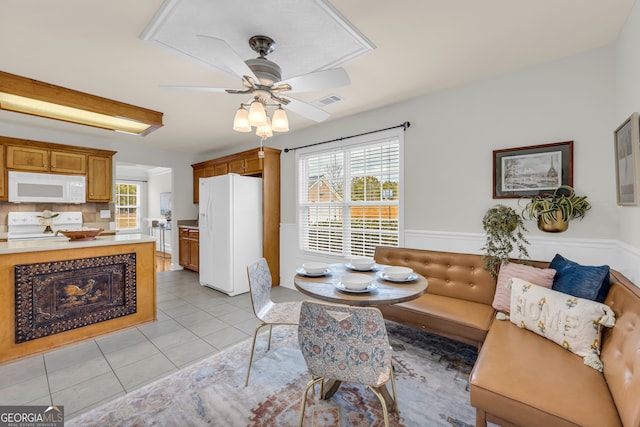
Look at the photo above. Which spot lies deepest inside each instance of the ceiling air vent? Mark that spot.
(323, 102)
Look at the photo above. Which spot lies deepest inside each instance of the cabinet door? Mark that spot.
(27, 158)
(3, 176)
(99, 185)
(194, 250)
(184, 247)
(68, 162)
(220, 169)
(237, 166)
(253, 165)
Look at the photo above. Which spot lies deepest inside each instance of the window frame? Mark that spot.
(344, 146)
(139, 207)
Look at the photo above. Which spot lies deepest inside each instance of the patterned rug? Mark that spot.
(431, 380)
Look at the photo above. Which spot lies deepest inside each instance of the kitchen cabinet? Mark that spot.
(43, 160)
(189, 248)
(268, 168)
(64, 162)
(99, 181)
(35, 156)
(27, 158)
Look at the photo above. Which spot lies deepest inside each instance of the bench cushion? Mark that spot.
(526, 379)
(466, 321)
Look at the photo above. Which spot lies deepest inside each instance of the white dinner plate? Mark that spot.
(383, 276)
(301, 271)
(350, 266)
(341, 287)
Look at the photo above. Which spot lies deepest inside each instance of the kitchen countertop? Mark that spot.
(17, 246)
(191, 227)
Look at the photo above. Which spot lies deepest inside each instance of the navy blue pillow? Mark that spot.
(582, 281)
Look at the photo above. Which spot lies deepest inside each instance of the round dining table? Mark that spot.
(383, 292)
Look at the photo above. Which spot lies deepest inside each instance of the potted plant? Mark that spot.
(554, 211)
(505, 232)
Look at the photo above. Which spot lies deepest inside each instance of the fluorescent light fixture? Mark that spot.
(23, 95)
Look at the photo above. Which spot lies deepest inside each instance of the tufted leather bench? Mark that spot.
(520, 378)
(458, 301)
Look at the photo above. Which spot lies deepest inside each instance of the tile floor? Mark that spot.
(193, 323)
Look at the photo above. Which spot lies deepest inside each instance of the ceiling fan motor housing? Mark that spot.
(268, 72)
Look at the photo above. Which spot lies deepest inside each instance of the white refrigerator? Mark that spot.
(230, 222)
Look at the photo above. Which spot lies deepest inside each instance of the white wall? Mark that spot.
(628, 101)
(448, 158)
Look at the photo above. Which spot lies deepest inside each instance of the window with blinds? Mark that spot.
(349, 196)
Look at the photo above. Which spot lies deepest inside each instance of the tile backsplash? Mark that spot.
(90, 212)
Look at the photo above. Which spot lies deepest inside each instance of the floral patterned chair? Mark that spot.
(268, 312)
(344, 343)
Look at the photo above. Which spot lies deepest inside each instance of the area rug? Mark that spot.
(431, 380)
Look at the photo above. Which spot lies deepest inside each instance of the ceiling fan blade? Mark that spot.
(221, 51)
(306, 110)
(325, 79)
(197, 88)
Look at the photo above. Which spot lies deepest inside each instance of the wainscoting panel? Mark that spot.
(616, 254)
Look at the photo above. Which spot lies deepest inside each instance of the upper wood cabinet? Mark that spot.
(65, 162)
(35, 156)
(268, 167)
(27, 158)
(99, 180)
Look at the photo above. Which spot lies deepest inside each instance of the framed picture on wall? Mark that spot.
(532, 170)
(627, 144)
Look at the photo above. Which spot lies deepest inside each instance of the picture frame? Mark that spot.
(627, 146)
(532, 170)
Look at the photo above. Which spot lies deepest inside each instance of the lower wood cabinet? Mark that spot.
(189, 247)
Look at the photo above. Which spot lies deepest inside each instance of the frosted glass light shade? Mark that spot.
(264, 131)
(257, 114)
(280, 122)
(241, 121)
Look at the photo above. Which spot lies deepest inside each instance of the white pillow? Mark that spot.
(574, 323)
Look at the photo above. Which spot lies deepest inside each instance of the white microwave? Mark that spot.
(28, 187)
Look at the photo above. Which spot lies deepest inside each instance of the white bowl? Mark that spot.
(362, 263)
(315, 267)
(355, 281)
(398, 273)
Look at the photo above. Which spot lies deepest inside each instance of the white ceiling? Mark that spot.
(421, 46)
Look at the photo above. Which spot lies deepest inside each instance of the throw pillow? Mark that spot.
(574, 323)
(538, 276)
(581, 281)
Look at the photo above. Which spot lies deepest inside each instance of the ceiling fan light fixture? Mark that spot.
(241, 120)
(265, 131)
(280, 122)
(257, 113)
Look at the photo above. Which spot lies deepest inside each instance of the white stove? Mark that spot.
(29, 225)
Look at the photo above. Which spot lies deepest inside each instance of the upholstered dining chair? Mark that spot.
(268, 312)
(346, 344)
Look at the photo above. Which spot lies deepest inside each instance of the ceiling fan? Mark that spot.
(261, 77)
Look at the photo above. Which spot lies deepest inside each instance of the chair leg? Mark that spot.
(310, 384)
(385, 412)
(269, 344)
(253, 347)
(393, 389)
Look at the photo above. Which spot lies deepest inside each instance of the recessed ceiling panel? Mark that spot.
(310, 35)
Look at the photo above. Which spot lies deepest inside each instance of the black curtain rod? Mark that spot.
(404, 125)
